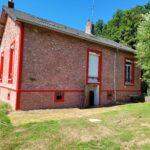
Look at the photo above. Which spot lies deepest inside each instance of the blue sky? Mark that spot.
(73, 13)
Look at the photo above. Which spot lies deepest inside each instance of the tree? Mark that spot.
(111, 29)
(122, 28)
(143, 47)
(147, 6)
(130, 22)
(98, 28)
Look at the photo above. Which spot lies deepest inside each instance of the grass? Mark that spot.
(124, 127)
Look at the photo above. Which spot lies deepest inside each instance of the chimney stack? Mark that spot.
(89, 27)
(10, 4)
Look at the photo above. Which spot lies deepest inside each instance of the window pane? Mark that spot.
(129, 72)
(93, 65)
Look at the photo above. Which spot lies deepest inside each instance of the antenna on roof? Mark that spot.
(93, 10)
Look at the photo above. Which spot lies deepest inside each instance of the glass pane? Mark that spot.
(93, 65)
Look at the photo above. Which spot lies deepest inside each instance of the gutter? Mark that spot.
(115, 66)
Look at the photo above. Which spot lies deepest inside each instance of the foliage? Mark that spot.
(143, 47)
(98, 27)
(123, 25)
(5, 124)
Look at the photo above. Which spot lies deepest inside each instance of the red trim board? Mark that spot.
(66, 91)
(20, 61)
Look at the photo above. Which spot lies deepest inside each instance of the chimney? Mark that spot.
(89, 27)
(10, 4)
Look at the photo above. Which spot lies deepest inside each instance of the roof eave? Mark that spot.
(76, 35)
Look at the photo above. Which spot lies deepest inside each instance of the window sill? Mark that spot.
(129, 84)
(10, 81)
(93, 83)
(60, 101)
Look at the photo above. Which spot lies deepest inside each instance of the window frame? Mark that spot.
(62, 99)
(11, 62)
(1, 66)
(99, 66)
(132, 71)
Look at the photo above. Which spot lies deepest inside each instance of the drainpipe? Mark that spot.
(115, 63)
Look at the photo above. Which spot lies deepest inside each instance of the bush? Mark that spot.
(5, 108)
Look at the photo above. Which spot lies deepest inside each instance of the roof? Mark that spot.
(33, 20)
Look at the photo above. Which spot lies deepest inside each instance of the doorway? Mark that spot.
(94, 96)
(91, 98)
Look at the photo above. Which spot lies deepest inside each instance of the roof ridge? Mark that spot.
(45, 23)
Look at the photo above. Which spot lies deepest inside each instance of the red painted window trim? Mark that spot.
(11, 62)
(99, 66)
(1, 66)
(133, 71)
(59, 101)
(99, 71)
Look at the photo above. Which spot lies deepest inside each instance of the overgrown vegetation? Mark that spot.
(127, 127)
(123, 26)
(5, 124)
(143, 47)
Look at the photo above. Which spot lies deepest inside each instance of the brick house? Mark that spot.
(47, 65)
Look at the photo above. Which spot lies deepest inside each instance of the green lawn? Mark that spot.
(124, 128)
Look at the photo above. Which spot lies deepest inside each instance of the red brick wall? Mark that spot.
(53, 61)
(11, 33)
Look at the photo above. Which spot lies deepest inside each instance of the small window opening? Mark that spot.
(59, 97)
(109, 96)
(11, 63)
(8, 96)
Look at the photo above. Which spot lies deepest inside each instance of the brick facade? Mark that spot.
(11, 33)
(53, 61)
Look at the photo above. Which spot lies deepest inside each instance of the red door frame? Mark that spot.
(99, 71)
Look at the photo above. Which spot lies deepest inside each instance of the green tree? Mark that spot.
(143, 47)
(129, 24)
(122, 28)
(98, 28)
(147, 6)
(111, 29)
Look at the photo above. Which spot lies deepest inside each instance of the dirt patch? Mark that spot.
(23, 117)
(138, 141)
(126, 121)
(36, 145)
(145, 125)
(87, 134)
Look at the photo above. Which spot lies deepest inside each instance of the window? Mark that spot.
(11, 62)
(1, 66)
(59, 97)
(93, 67)
(129, 71)
(8, 96)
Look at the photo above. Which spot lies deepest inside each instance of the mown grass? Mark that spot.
(122, 129)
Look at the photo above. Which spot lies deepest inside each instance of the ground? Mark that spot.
(125, 127)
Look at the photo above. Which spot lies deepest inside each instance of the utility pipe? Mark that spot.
(115, 63)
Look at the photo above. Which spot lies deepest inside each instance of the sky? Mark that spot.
(73, 13)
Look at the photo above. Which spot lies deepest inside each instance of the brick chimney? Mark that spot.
(10, 4)
(89, 27)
